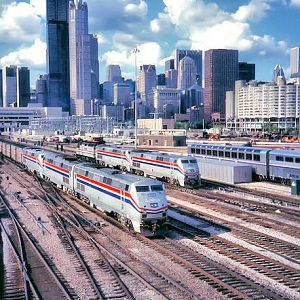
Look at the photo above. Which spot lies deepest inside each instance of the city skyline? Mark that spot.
(159, 28)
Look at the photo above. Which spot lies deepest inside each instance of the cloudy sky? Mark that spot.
(263, 31)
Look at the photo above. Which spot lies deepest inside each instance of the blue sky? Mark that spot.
(262, 30)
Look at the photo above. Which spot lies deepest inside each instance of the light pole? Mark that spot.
(135, 51)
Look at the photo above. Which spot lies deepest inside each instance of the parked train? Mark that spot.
(137, 202)
(267, 164)
(176, 169)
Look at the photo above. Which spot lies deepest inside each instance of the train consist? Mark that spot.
(176, 169)
(137, 202)
(267, 164)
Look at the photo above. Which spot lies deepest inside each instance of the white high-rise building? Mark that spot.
(9, 82)
(186, 73)
(268, 106)
(113, 73)
(147, 80)
(84, 66)
(195, 55)
(295, 62)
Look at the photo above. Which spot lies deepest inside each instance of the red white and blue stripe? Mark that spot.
(112, 154)
(30, 158)
(157, 163)
(56, 169)
(116, 194)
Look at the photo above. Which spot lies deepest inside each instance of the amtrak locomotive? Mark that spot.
(137, 202)
(176, 169)
(267, 164)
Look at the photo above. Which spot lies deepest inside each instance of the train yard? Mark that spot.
(220, 241)
(220, 244)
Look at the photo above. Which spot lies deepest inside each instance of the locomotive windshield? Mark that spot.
(142, 188)
(156, 188)
(193, 161)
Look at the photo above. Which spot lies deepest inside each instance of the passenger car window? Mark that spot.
(249, 156)
(193, 150)
(234, 155)
(215, 153)
(203, 151)
(289, 159)
(208, 152)
(279, 158)
(227, 154)
(142, 189)
(297, 160)
(241, 156)
(256, 157)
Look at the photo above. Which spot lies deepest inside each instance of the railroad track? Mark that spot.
(139, 269)
(39, 277)
(14, 283)
(227, 282)
(287, 250)
(216, 282)
(212, 201)
(279, 272)
(277, 200)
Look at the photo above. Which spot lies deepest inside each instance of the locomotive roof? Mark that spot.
(122, 177)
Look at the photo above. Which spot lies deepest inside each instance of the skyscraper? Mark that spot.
(23, 86)
(94, 66)
(196, 55)
(278, 72)
(1, 89)
(246, 71)
(84, 66)
(171, 74)
(41, 89)
(147, 80)
(113, 73)
(169, 64)
(221, 72)
(186, 73)
(9, 81)
(295, 62)
(58, 54)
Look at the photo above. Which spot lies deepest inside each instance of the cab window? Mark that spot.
(193, 161)
(142, 189)
(156, 188)
(185, 161)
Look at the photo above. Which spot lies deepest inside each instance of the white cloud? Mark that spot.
(19, 22)
(33, 57)
(205, 25)
(40, 7)
(102, 40)
(295, 3)
(117, 14)
(150, 53)
(255, 10)
(140, 9)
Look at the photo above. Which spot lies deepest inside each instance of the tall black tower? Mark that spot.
(58, 54)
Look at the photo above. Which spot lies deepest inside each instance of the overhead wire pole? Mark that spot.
(135, 51)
